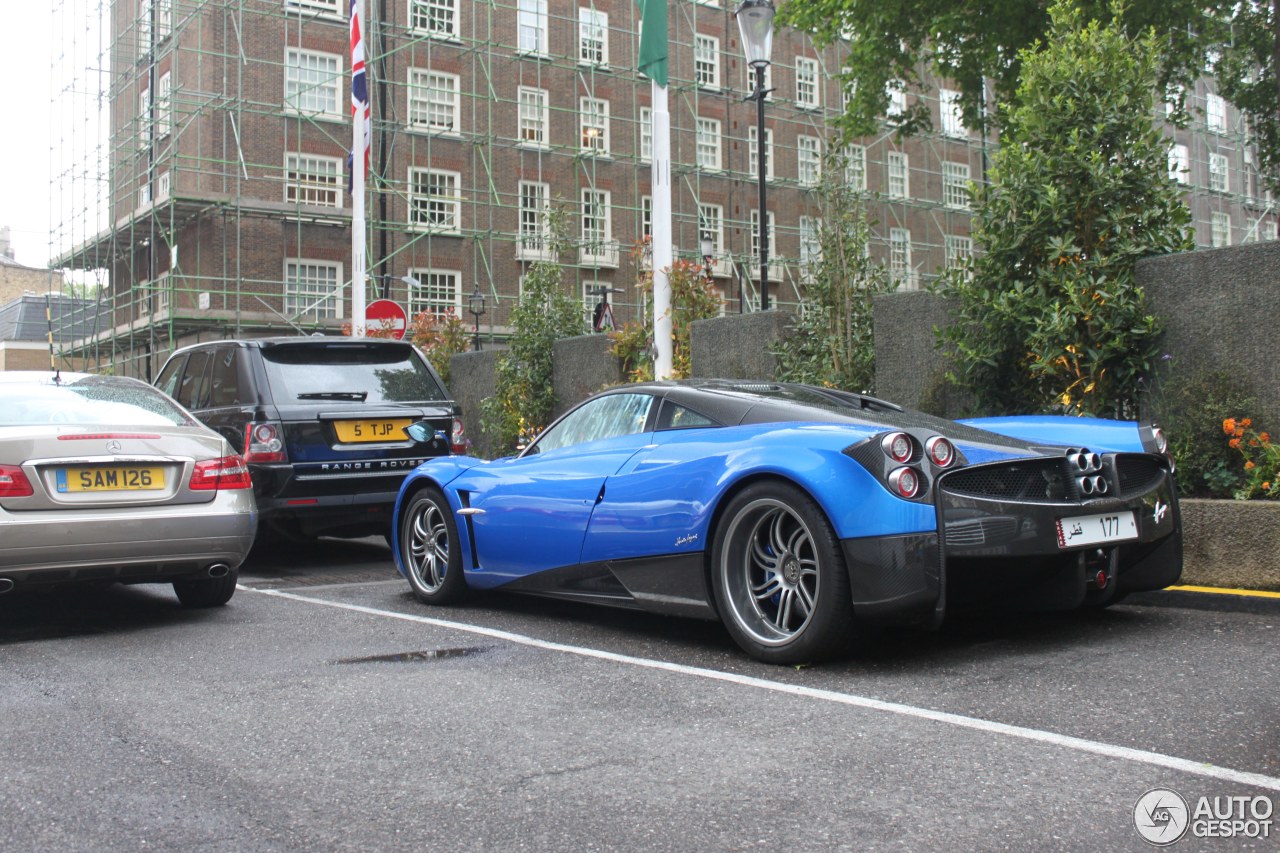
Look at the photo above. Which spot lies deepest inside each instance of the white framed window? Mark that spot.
(774, 268)
(955, 185)
(435, 200)
(164, 186)
(855, 167)
(164, 105)
(313, 82)
(751, 80)
(1180, 163)
(531, 26)
(810, 244)
(809, 160)
(164, 19)
(1174, 97)
(646, 134)
(958, 251)
(1219, 178)
(706, 61)
(896, 92)
(311, 289)
(144, 27)
(711, 224)
(1270, 229)
(434, 17)
(593, 37)
(144, 194)
(438, 292)
(708, 144)
(899, 183)
(312, 179)
(535, 117)
(325, 7)
(1220, 229)
(646, 217)
(597, 221)
(433, 100)
(808, 85)
(1215, 113)
(535, 201)
(753, 152)
(144, 119)
(594, 115)
(951, 118)
(900, 268)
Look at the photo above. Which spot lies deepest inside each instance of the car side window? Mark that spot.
(167, 381)
(604, 417)
(676, 416)
(193, 392)
(225, 379)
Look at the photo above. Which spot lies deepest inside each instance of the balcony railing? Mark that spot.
(602, 254)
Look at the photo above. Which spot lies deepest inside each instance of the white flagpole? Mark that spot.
(359, 269)
(661, 234)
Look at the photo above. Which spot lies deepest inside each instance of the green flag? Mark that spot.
(653, 40)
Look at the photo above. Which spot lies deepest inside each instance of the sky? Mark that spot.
(25, 138)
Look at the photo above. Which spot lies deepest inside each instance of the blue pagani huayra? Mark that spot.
(797, 515)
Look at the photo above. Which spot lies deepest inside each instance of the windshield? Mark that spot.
(350, 372)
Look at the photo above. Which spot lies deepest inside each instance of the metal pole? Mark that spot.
(764, 218)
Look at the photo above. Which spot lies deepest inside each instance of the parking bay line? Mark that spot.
(1140, 756)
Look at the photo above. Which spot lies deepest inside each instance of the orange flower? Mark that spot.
(1234, 444)
(1249, 466)
(1229, 426)
(1263, 437)
(1247, 422)
(1266, 487)
(1253, 442)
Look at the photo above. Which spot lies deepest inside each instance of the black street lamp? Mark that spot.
(755, 22)
(475, 304)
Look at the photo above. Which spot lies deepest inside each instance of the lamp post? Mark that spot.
(755, 22)
(475, 304)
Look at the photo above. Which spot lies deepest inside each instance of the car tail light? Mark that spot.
(941, 452)
(905, 481)
(898, 446)
(264, 442)
(14, 483)
(461, 444)
(229, 472)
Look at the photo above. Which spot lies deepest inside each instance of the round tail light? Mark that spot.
(897, 446)
(941, 452)
(905, 481)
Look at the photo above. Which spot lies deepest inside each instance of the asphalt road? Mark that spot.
(326, 709)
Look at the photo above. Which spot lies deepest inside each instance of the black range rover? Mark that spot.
(320, 420)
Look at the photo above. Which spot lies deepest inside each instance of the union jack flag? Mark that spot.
(359, 94)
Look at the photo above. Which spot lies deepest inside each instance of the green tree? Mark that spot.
(1050, 316)
(524, 397)
(976, 42)
(831, 342)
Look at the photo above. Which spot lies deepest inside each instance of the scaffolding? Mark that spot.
(201, 156)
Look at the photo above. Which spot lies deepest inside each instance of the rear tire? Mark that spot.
(779, 577)
(207, 592)
(430, 550)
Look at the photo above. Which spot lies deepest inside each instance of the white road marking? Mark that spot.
(1141, 756)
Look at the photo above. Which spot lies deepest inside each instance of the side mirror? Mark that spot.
(424, 433)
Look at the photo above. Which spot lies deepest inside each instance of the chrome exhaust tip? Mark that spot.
(218, 570)
(6, 585)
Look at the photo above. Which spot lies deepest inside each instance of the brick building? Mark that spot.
(220, 205)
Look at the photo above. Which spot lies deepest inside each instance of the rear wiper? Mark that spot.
(358, 396)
